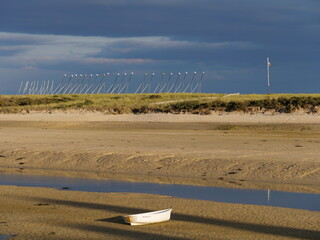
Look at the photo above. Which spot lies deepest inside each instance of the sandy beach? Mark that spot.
(279, 152)
(53, 214)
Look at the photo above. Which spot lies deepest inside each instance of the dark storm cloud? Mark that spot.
(230, 39)
(273, 23)
(172, 50)
(208, 19)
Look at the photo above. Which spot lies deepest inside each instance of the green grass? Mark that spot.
(118, 103)
(198, 103)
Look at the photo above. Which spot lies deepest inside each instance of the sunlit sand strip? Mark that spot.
(160, 117)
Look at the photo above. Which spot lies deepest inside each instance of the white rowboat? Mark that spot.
(148, 217)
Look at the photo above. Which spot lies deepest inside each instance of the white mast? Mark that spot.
(268, 73)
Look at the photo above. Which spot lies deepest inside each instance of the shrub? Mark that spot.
(189, 106)
(23, 101)
(236, 106)
(154, 96)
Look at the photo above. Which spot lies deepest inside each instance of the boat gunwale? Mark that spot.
(150, 213)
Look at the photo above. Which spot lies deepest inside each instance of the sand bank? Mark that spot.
(54, 214)
(268, 153)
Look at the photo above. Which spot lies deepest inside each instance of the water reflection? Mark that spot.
(229, 195)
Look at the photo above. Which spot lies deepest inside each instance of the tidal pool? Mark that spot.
(305, 201)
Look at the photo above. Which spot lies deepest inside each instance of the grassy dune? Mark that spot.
(199, 103)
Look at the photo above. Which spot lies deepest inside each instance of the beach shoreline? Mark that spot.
(240, 152)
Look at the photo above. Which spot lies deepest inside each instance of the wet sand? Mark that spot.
(246, 151)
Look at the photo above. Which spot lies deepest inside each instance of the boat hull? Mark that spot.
(148, 218)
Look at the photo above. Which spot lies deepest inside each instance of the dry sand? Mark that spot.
(162, 117)
(250, 152)
(280, 152)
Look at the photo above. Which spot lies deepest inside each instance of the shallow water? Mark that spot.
(6, 237)
(305, 201)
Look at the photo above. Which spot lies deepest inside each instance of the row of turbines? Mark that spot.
(119, 83)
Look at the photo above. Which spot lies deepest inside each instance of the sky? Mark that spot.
(229, 40)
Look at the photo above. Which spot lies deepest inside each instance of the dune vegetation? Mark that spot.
(199, 103)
